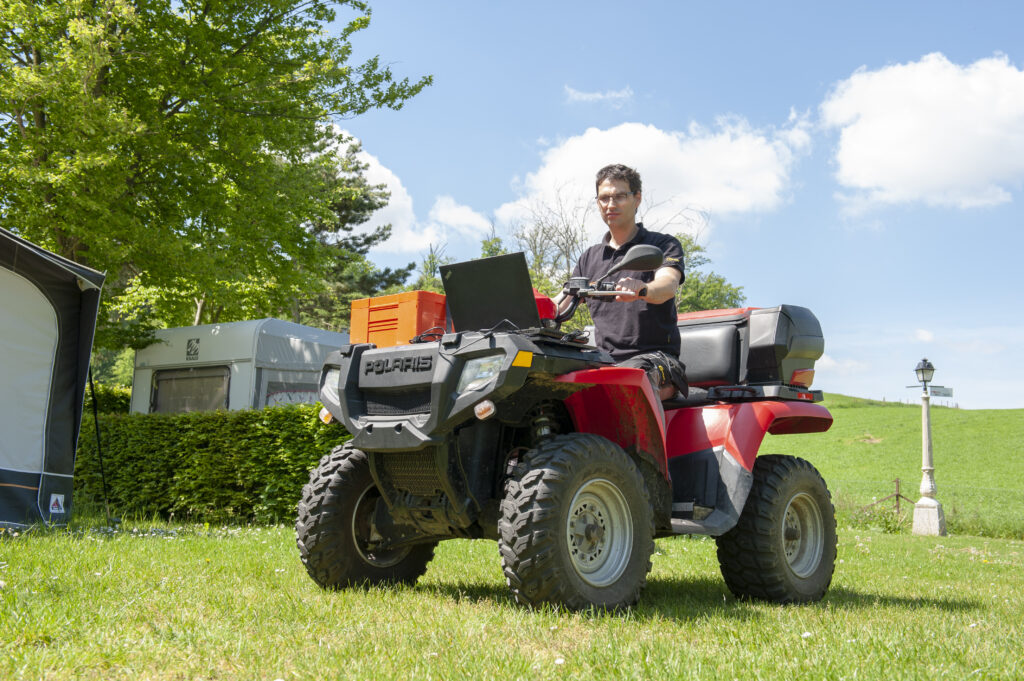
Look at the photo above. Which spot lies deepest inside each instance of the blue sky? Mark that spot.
(863, 160)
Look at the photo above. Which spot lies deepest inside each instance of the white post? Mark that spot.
(928, 516)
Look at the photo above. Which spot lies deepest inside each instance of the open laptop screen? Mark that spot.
(481, 293)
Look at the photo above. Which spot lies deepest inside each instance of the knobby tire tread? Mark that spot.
(750, 555)
(531, 523)
(323, 527)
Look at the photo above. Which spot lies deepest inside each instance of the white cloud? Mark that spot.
(929, 131)
(732, 168)
(614, 98)
(924, 335)
(828, 365)
(407, 235)
(447, 218)
(451, 215)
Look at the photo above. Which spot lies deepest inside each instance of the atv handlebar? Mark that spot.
(639, 258)
(580, 294)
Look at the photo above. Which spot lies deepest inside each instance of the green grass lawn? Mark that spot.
(235, 603)
(158, 601)
(978, 456)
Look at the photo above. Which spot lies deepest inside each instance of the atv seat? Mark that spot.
(728, 349)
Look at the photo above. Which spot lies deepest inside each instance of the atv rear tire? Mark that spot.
(783, 549)
(334, 524)
(576, 526)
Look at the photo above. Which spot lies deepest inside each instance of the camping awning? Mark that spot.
(47, 321)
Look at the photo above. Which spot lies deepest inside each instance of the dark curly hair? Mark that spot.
(617, 171)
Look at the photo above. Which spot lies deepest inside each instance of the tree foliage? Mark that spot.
(184, 147)
(553, 236)
(349, 274)
(428, 273)
(492, 244)
(428, 276)
(704, 290)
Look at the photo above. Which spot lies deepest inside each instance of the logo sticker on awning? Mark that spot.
(56, 503)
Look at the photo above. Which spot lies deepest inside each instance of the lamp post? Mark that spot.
(928, 516)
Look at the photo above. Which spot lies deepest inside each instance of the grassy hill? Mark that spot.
(978, 456)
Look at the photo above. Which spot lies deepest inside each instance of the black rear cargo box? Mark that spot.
(751, 346)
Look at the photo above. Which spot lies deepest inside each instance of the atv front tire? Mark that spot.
(334, 525)
(576, 526)
(783, 549)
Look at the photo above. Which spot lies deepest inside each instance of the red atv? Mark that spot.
(526, 435)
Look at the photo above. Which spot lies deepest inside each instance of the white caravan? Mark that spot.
(236, 365)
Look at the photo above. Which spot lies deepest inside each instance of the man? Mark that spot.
(638, 328)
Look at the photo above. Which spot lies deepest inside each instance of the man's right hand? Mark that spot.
(631, 289)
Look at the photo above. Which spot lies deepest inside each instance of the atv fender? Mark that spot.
(711, 454)
(740, 428)
(619, 405)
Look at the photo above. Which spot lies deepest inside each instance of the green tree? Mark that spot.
(349, 274)
(553, 236)
(428, 276)
(704, 290)
(429, 272)
(181, 145)
(492, 245)
(113, 367)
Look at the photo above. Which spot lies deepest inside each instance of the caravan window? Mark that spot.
(287, 387)
(199, 389)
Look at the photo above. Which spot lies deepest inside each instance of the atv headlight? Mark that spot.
(478, 372)
(329, 394)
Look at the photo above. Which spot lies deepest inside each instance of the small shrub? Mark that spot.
(883, 519)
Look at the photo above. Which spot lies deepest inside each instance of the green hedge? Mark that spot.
(113, 399)
(236, 466)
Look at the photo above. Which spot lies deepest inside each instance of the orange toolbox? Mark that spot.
(394, 320)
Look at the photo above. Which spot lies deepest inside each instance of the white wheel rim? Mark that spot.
(599, 530)
(803, 535)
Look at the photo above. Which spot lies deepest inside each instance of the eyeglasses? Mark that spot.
(608, 199)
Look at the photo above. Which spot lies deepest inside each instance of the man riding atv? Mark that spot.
(502, 427)
(638, 327)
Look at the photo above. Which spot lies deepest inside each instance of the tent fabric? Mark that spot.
(27, 351)
(47, 321)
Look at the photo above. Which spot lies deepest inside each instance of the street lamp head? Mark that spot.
(925, 370)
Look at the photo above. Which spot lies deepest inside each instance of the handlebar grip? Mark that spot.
(569, 311)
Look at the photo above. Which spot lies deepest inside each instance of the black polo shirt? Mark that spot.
(627, 329)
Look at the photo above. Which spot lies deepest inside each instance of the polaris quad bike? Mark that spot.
(535, 439)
